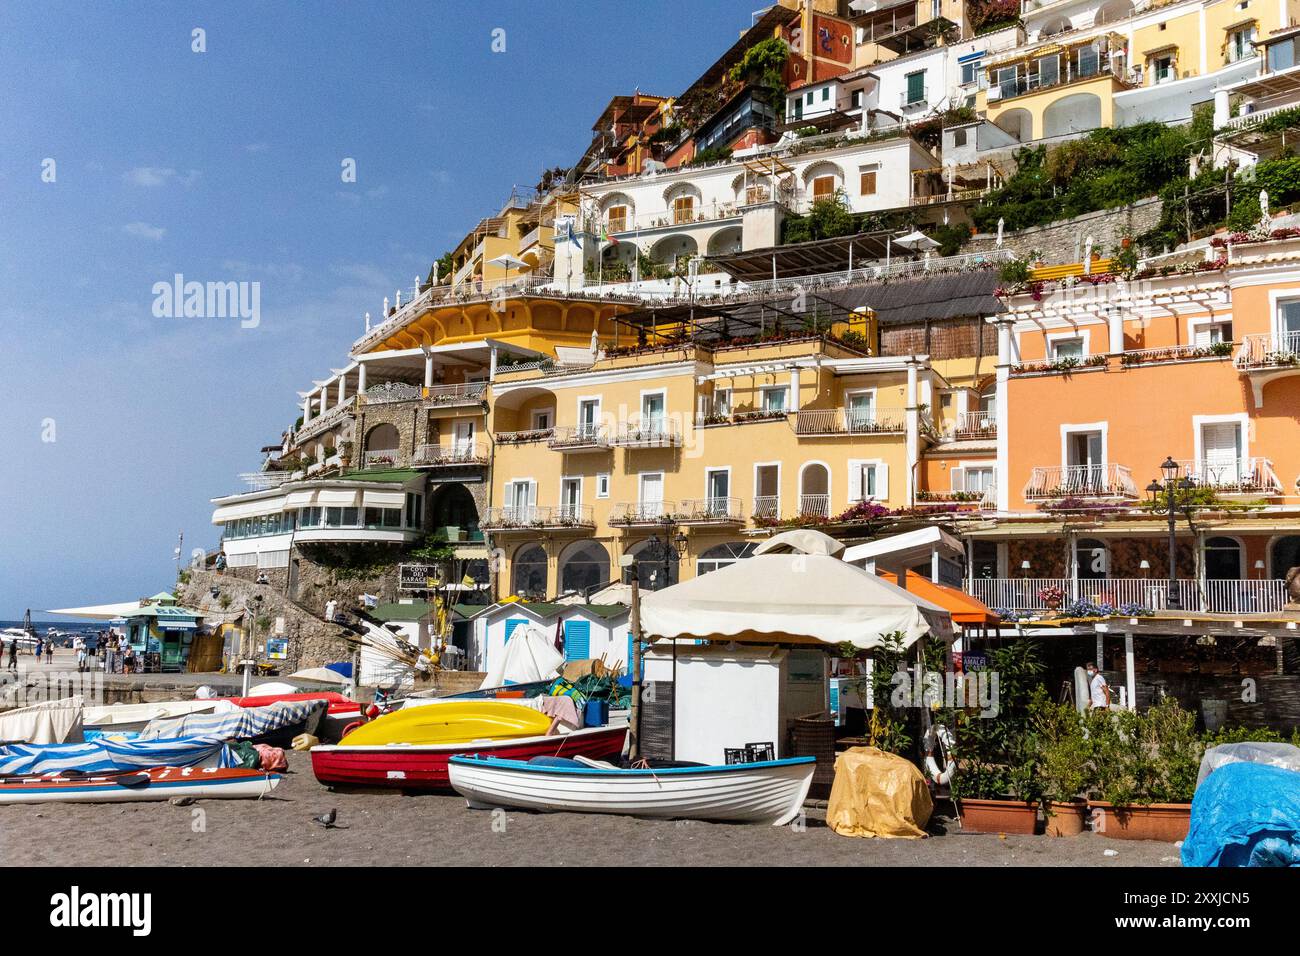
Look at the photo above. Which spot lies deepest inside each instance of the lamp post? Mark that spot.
(667, 550)
(1163, 493)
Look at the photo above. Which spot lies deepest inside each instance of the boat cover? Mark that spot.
(878, 794)
(1286, 756)
(1245, 814)
(240, 724)
(49, 722)
(110, 756)
(530, 656)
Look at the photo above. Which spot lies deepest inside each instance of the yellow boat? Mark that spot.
(452, 722)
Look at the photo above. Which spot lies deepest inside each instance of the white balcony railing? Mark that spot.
(1080, 481)
(1025, 595)
(469, 393)
(849, 421)
(452, 453)
(381, 458)
(814, 506)
(719, 510)
(973, 425)
(767, 507)
(589, 437)
(1269, 350)
(908, 101)
(1234, 476)
(571, 516)
(652, 433)
(643, 512)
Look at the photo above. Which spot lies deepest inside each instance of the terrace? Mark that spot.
(1035, 595)
(849, 421)
(1052, 482)
(456, 453)
(544, 517)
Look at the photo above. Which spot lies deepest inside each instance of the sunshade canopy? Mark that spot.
(791, 598)
(964, 609)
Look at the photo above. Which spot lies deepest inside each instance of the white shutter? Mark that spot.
(1221, 441)
(882, 481)
(532, 494)
(855, 480)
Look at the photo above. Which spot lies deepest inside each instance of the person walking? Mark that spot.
(1098, 689)
(40, 646)
(49, 651)
(13, 653)
(79, 645)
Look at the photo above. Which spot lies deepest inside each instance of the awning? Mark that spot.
(248, 509)
(964, 609)
(347, 498)
(383, 499)
(299, 499)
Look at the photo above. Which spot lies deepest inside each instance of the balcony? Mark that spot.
(711, 511)
(1269, 350)
(1234, 476)
(524, 437)
(389, 393)
(849, 421)
(814, 506)
(908, 100)
(965, 500)
(1021, 595)
(532, 238)
(1050, 482)
(652, 434)
(634, 513)
(767, 507)
(448, 396)
(322, 423)
(1076, 70)
(457, 453)
(579, 438)
(974, 426)
(541, 517)
(380, 458)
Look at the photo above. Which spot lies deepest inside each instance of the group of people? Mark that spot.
(119, 656)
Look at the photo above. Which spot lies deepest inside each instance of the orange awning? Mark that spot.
(964, 609)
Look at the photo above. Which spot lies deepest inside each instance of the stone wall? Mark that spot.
(1061, 242)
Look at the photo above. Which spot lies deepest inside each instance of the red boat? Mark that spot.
(424, 767)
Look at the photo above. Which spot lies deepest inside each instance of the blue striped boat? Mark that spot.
(275, 724)
(109, 756)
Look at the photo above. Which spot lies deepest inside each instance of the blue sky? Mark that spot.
(225, 165)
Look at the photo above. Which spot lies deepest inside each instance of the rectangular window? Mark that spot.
(915, 88)
(602, 486)
(722, 402)
(1162, 69)
(683, 209)
(861, 411)
(617, 221)
(797, 104)
(1241, 44)
(718, 483)
(571, 493)
(1067, 349)
(978, 479)
(1088, 62)
(826, 93)
(1212, 334)
(589, 417)
(823, 187)
(652, 411)
(1049, 70)
(971, 72)
(651, 489)
(855, 100)
(1281, 56)
(867, 180)
(542, 418)
(774, 399)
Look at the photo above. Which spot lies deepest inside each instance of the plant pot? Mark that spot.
(1065, 819)
(998, 816)
(1166, 822)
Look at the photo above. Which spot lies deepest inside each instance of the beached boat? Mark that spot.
(770, 792)
(275, 724)
(452, 721)
(47, 722)
(410, 767)
(159, 783)
(340, 711)
(116, 718)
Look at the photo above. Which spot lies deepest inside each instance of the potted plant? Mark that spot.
(1062, 754)
(996, 784)
(1143, 771)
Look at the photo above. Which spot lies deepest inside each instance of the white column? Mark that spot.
(1115, 323)
(306, 410)
(492, 363)
(1002, 477)
(913, 432)
(361, 378)
(1130, 679)
(323, 397)
(343, 391)
(1222, 108)
(794, 389)
(428, 370)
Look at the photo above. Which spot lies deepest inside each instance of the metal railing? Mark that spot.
(571, 516)
(1072, 70)
(381, 458)
(507, 517)
(1080, 481)
(767, 506)
(387, 393)
(815, 506)
(849, 421)
(579, 437)
(1265, 596)
(663, 218)
(652, 434)
(531, 238)
(524, 436)
(452, 453)
(907, 101)
(643, 512)
(467, 393)
(1240, 476)
(977, 424)
(712, 509)
(1269, 350)
(264, 480)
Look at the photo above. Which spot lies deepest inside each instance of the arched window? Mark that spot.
(528, 573)
(655, 565)
(583, 565)
(1284, 555)
(383, 438)
(1222, 559)
(721, 555)
(454, 507)
(814, 490)
(1092, 561)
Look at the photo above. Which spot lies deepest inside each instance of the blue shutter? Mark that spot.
(628, 668)
(577, 640)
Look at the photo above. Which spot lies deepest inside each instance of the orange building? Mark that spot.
(1100, 380)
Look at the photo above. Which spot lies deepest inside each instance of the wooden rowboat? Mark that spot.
(116, 718)
(424, 766)
(160, 783)
(769, 792)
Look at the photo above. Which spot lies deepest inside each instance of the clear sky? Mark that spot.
(117, 427)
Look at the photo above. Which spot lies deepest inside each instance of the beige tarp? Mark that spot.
(878, 794)
(49, 722)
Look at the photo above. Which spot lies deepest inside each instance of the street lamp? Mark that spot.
(668, 550)
(1164, 496)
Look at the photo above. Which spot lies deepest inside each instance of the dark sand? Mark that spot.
(388, 828)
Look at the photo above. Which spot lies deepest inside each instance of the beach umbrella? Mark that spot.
(917, 242)
(507, 261)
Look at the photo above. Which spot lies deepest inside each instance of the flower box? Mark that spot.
(998, 816)
(1167, 822)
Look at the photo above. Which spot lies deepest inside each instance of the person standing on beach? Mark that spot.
(79, 645)
(13, 654)
(49, 651)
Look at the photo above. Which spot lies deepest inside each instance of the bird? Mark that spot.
(326, 820)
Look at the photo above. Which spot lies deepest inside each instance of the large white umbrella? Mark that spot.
(507, 261)
(916, 241)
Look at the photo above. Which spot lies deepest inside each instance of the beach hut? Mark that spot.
(771, 624)
(589, 631)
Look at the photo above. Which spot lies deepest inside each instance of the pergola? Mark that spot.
(809, 258)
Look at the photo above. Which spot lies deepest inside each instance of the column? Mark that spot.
(1006, 347)
(1130, 679)
(1222, 109)
(361, 378)
(324, 389)
(428, 369)
(913, 432)
(306, 410)
(794, 389)
(1115, 326)
(343, 390)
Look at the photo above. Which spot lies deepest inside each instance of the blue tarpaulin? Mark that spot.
(112, 756)
(1245, 814)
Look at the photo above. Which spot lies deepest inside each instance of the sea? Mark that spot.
(63, 627)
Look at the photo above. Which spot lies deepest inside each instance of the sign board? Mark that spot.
(420, 577)
(277, 649)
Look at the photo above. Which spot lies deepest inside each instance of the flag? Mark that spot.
(468, 582)
(369, 600)
(572, 238)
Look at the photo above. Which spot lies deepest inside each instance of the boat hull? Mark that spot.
(163, 784)
(770, 792)
(416, 767)
(452, 721)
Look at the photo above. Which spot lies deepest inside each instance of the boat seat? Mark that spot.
(598, 764)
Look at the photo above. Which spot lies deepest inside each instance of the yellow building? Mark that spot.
(516, 247)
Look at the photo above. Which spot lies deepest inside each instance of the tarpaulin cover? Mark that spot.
(877, 794)
(1286, 756)
(1245, 814)
(49, 722)
(108, 756)
(240, 724)
(530, 656)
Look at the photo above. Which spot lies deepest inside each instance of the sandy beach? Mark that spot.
(393, 829)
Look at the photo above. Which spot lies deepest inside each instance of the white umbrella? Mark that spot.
(507, 261)
(916, 241)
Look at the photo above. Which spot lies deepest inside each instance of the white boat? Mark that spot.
(116, 718)
(159, 783)
(47, 722)
(770, 792)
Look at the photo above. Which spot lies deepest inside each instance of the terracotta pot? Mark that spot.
(998, 816)
(1065, 819)
(1167, 822)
